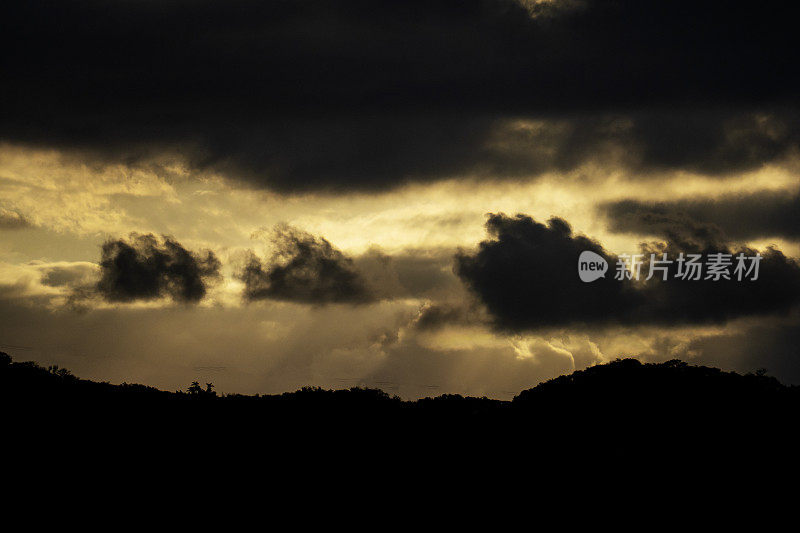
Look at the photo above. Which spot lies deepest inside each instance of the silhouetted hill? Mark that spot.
(628, 385)
(623, 409)
(625, 384)
(668, 406)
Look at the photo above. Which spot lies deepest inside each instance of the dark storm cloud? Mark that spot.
(713, 140)
(367, 94)
(526, 275)
(742, 216)
(145, 268)
(304, 268)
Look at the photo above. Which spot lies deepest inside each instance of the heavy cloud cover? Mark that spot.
(303, 268)
(146, 268)
(306, 268)
(356, 94)
(741, 216)
(526, 275)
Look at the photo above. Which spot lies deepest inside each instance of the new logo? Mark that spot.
(591, 266)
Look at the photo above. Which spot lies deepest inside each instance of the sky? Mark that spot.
(272, 194)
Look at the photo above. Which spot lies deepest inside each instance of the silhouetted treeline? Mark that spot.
(624, 385)
(27, 382)
(624, 409)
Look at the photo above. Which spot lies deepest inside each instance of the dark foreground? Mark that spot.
(620, 415)
(624, 395)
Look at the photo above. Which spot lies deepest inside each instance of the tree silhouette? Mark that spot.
(196, 390)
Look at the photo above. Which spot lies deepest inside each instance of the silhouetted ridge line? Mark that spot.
(672, 382)
(622, 413)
